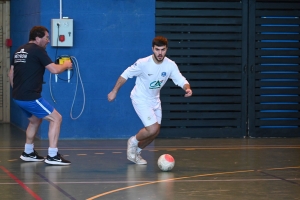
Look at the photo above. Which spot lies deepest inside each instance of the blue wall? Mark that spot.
(108, 37)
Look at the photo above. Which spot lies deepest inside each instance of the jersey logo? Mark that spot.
(155, 84)
(20, 56)
(163, 74)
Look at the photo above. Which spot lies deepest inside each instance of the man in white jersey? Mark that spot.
(151, 73)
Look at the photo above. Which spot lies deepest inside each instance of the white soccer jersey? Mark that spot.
(151, 77)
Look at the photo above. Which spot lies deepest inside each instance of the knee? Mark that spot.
(55, 117)
(59, 118)
(35, 121)
(153, 129)
(158, 131)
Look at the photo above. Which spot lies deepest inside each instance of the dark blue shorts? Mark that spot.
(39, 107)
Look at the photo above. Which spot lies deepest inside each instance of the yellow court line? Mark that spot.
(180, 178)
(281, 168)
(234, 147)
(153, 182)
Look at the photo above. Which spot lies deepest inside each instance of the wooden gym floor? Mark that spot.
(206, 169)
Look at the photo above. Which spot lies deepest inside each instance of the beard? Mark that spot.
(160, 59)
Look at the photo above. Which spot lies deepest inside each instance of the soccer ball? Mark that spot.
(166, 162)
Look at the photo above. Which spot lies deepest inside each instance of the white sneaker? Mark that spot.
(132, 155)
(131, 150)
(139, 160)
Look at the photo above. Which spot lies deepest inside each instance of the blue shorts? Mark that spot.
(39, 107)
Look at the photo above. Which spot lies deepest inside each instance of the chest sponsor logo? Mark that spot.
(20, 56)
(155, 84)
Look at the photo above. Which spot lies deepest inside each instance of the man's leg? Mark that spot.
(29, 153)
(33, 126)
(55, 120)
(150, 114)
(54, 158)
(141, 136)
(146, 135)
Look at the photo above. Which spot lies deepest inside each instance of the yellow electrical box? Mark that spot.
(61, 60)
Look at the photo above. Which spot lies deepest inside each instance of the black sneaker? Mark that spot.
(32, 157)
(57, 160)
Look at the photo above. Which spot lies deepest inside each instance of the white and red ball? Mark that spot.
(166, 162)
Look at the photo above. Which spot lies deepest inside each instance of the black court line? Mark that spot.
(56, 186)
(283, 179)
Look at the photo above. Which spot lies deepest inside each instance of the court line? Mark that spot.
(274, 176)
(33, 194)
(56, 186)
(177, 181)
(173, 148)
(154, 182)
(180, 178)
(281, 168)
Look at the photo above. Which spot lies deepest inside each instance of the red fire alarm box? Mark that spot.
(8, 42)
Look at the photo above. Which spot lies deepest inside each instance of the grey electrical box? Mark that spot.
(62, 32)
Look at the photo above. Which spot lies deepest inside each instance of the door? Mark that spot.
(4, 62)
(218, 48)
(208, 42)
(274, 77)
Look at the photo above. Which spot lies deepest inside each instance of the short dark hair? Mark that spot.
(160, 41)
(37, 31)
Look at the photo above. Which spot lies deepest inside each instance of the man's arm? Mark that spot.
(187, 89)
(11, 75)
(112, 95)
(57, 69)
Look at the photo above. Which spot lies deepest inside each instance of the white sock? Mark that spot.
(52, 151)
(138, 150)
(134, 141)
(28, 148)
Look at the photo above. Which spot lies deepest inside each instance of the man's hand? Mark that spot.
(111, 96)
(68, 64)
(11, 75)
(188, 93)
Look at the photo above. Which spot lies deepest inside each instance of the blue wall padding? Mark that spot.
(108, 37)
